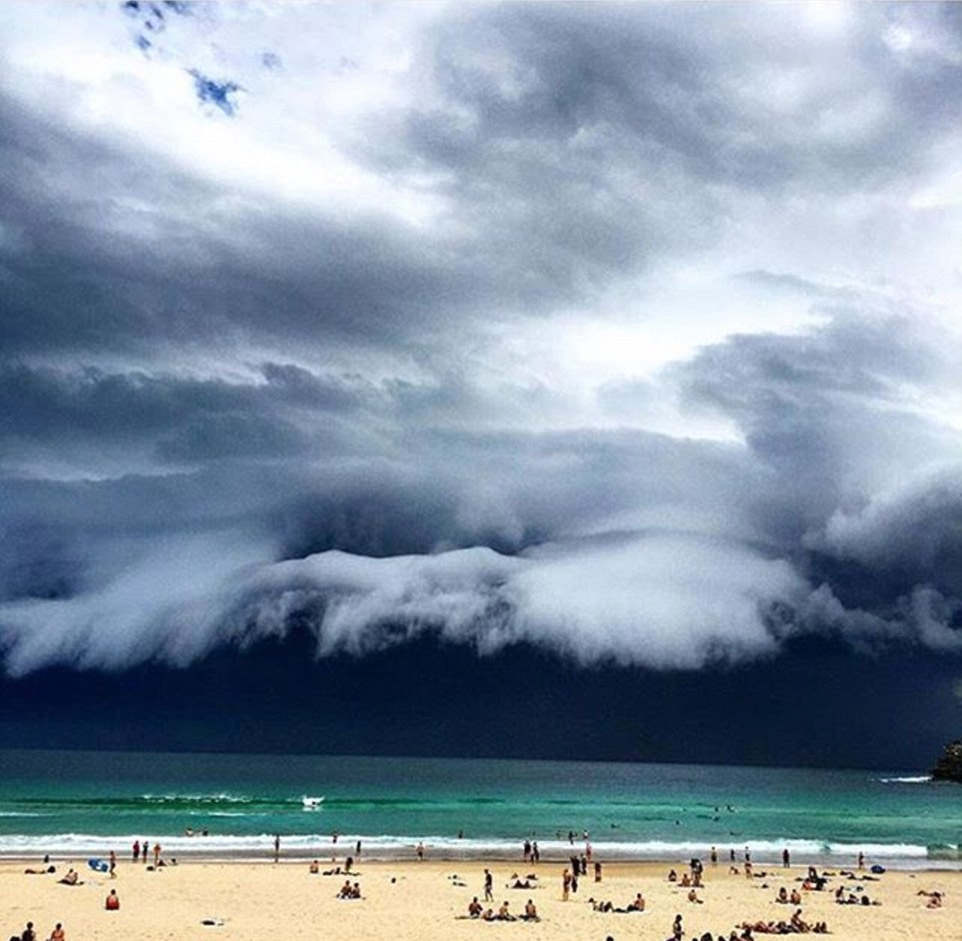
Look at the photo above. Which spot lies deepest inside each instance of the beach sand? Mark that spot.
(411, 901)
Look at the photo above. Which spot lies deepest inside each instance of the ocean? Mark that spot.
(80, 803)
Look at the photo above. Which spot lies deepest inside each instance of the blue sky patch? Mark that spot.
(216, 93)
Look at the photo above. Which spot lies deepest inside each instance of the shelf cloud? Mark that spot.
(623, 331)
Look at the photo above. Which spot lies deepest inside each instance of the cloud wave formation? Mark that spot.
(624, 331)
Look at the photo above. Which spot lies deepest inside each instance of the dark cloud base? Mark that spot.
(434, 700)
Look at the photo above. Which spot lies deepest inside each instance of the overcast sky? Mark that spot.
(626, 332)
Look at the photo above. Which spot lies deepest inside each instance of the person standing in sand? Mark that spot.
(135, 850)
(156, 855)
(488, 886)
(113, 865)
(277, 847)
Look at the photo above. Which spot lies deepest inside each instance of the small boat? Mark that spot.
(312, 803)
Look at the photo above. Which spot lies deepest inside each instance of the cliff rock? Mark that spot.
(949, 766)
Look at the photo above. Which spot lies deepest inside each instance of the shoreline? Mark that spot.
(302, 856)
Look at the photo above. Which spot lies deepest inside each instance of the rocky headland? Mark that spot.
(949, 766)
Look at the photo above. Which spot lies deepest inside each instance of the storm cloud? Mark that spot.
(627, 331)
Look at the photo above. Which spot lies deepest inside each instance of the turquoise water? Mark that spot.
(89, 802)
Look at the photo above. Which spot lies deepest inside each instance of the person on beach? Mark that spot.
(488, 886)
(565, 885)
(504, 914)
(145, 850)
(475, 908)
(357, 849)
(113, 865)
(277, 847)
(420, 852)
(71, 878)
(786, 858)
(112, 902)
(535, 852)
(637, 904)
(597, 872)
(156, 855)
(58, 933)
(28, 933)
(135, 850)
(677, 930)
(314, 868)
(530, 911)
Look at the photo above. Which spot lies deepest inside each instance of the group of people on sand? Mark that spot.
(477, 911)
(785, 897)
(315, 868)
(934, 898)
(111, 903)
(795, 925)
(687, 881)
(142, 852)
(29, 934)
(858, 897)
(637, 904)
(350, 890)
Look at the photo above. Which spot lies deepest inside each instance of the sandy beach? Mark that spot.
(412, 901)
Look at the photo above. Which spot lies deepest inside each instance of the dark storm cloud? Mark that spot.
(225, 410)
(869, 487)
(117, 250)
